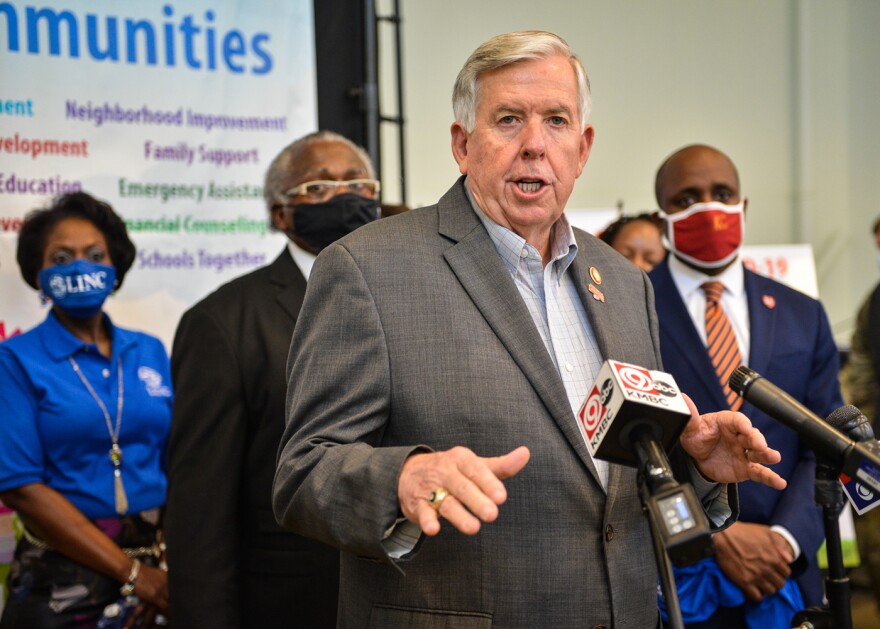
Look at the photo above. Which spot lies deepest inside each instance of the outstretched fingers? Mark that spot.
(764, 475)
(509, 464)
(752, 440)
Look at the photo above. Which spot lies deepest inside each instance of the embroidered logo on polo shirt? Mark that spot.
(153, 381)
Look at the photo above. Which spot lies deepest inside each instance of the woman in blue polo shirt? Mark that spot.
(86, 411)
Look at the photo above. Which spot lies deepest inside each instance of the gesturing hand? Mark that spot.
(473, 482)
(728, 449)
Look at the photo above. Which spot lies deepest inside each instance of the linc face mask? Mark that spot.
(80, 288)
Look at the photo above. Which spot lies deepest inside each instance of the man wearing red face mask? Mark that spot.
(714, 316)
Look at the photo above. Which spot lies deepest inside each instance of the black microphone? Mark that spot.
(860, 460)
(632, 416)
(853, 423)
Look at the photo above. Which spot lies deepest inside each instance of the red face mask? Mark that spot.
(707, 235)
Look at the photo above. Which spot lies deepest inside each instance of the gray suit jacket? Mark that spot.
(413, 334)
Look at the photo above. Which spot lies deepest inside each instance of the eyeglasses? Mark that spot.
(321, 190)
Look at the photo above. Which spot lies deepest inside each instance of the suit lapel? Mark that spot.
(482, 274)
(676, 323)
(607, 333)
(580, 270)
(602, 325)
(762, 320)
(289, 282)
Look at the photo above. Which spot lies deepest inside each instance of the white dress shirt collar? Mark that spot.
(302, 258)
(689, 280)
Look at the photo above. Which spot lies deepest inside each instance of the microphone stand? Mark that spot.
(664, 566)
(836, 453)
(838, 615)
(680, 531)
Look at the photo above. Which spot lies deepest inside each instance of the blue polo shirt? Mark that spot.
(52, 430)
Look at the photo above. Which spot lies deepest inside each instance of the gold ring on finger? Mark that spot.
(436, 498)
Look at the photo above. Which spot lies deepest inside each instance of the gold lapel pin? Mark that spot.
(769, 301)
(597, 294)
(595, 275)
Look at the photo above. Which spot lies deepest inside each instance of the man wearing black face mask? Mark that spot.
(230, 564)
(337, 194)
(703, 294)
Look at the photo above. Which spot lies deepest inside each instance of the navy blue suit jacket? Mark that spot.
(791, 345)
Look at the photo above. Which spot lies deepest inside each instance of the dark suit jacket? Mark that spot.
(230, 564)
(791, 345)
(872, 332)
(443, 352)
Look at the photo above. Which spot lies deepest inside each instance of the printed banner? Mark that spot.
(169, 275)
(169, 111)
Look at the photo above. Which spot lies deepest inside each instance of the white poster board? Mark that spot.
(790, 264)
(592, 220)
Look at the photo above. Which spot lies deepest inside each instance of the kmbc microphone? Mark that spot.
(627, 400)
(632, 416)
(857, 460)
(850, 421)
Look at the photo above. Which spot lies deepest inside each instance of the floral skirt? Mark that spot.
(47, 590)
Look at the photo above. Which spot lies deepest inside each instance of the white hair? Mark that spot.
(283, 162)
(504, 50)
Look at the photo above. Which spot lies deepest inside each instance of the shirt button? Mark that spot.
(524, 253)
(106, 373)
(569, 367)
(609, 533)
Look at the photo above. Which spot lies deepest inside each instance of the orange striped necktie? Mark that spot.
(721, 341)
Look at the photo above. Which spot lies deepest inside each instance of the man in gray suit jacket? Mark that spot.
(439, 352)
(231, 565)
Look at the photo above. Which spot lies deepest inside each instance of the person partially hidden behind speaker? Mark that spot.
(637, 238)
(86, 410)
(231, 565)
(715, 315)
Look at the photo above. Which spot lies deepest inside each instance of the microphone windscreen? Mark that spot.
(852, 422)
(842, 415)
(738, 378)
